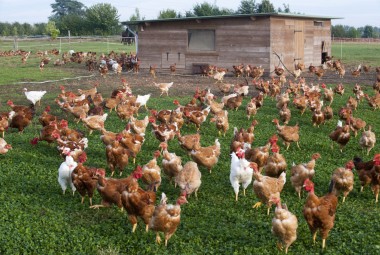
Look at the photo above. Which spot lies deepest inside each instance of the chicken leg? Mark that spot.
(158, 238)
(257, 205)
(134, 228)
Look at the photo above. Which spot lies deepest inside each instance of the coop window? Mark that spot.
(201, 39)
(318, 23)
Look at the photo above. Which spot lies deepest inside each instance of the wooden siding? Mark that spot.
(237, 40)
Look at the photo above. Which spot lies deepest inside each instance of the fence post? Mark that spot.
(60, 45)
(108, 46)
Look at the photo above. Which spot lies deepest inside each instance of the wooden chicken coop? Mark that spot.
(230, 40)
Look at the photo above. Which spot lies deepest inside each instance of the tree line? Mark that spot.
(103, 19)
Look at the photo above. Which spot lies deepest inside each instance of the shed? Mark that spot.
(229, 40)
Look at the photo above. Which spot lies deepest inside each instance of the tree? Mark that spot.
(265, 7)
(207, 9)
(285, 10)
(168, 14)
(368, 32)
(134, 17)
(103, 19)
(52, 30)
(247, 7)
(62, 8)
(77, 24)
(338, 31)
(352, 33)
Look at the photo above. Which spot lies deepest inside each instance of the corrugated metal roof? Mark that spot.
(278, 14)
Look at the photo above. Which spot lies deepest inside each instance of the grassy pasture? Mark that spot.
(37, 219)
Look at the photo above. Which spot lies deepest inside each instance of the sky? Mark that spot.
(354, 13)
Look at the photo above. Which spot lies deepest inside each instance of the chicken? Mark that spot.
(143, 100)
(84, 180)
(138, 203)
(152, 173)
(108, 137)
(328, 113)
(20, 108)
(164, 132)
(20, 120)
(288, 134)
(221, 121)
(215, 107)
(206, 156)
(284, 225)
(343, 179)
(328, 94)
(285, 114)
(152, 70)
(340, 135)
(301, 172)
(319, 212)
(251, 109)
(241, 171)
(375, 174)
(319, 73)
(374, 101)
(279, 70)
(189, 178)
(301, 102)
(171, 163)
(266, 187)
(234, 102)
(276, 163)
(259, 155)
(164, 87)
(4, 122)
(4, 146)
(339, 89)
(65, 170)
(117, 156)
(356, 124)
(95, 122)
(89, 92)
(166, 217)
(133, 142)
(225, 88)
(111, 189)
(368, 139)
(364, 171)
(173, 68)
(197, 117)
(139, 126)
(318, 116)
(187, 142)
(218, 76)
(34, 96)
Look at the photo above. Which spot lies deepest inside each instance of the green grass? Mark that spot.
(37, 218)
(357, 53)
(13, 71)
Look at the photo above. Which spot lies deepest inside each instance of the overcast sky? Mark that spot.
(354, 13)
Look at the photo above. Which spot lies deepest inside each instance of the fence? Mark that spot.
(355, 40)
(77, 43)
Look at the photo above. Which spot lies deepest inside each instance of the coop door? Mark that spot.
(171, 58)
(299, 41)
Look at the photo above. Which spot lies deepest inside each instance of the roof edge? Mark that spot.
(275, 14)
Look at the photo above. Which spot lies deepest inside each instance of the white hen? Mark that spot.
(65, 170)
(241, 172)
(34, 96)
(164, 87)
(142, 100)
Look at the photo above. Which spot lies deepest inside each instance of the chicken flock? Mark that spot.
(263, 166)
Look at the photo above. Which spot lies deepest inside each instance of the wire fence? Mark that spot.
(77, 43)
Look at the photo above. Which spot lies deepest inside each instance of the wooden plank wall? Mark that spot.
(238, 40)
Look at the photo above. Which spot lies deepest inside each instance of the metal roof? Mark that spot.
(275, 14)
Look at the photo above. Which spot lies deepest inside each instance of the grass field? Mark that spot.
(37, 219)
